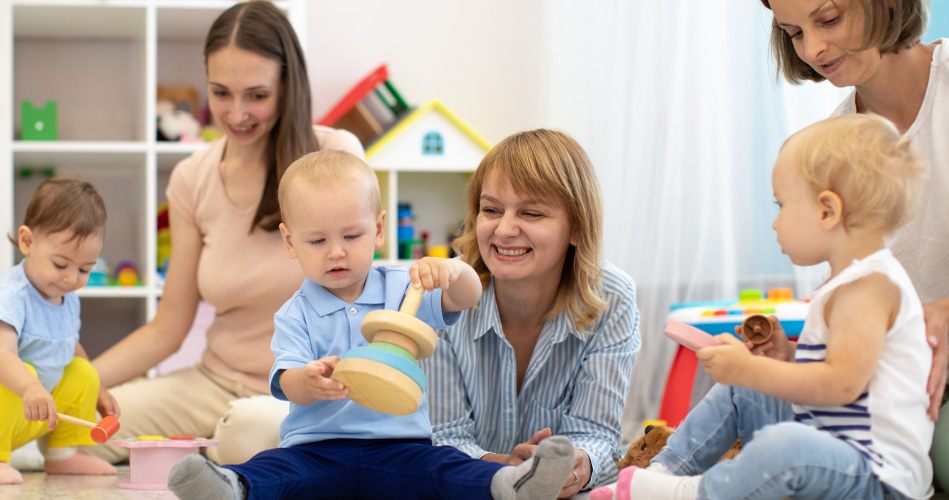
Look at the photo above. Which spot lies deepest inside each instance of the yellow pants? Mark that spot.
(75, 395)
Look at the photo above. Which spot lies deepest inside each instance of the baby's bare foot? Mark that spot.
(9, 475)
(80, 464)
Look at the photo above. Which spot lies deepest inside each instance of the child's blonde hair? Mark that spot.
(328, 168)
(548, 163)
(64, 204)
(868, 163)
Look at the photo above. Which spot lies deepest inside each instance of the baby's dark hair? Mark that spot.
(63, 204)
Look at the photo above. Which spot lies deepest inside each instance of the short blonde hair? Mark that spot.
(867, 162)
(890, 25)
(328, 168)
(551, 164)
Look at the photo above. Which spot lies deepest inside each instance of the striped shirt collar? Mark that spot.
(558, 328)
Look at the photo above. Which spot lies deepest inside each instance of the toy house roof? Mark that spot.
(402, 145)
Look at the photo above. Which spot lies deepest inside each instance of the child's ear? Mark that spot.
(24, 239)
(380, 229)
(287, 242)
(832, 209)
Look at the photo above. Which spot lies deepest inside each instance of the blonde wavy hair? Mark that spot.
(551, 164)
(868, 163)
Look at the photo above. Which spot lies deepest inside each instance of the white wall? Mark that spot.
(484, 60)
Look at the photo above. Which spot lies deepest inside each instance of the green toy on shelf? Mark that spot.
(39, 124)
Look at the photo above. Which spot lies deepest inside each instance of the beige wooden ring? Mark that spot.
(410, 326)
(378, 386)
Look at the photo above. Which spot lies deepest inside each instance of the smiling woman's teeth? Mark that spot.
(512, 253)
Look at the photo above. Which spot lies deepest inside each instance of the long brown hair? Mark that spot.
(261, 28)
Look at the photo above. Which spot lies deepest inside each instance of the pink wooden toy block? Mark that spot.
(689, 336)
(150, 461)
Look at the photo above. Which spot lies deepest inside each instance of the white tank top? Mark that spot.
(888, 423)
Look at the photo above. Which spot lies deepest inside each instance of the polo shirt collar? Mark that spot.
(325, 303)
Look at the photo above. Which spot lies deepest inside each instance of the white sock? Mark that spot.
(57, 454)
(650, 485)
(540, 477)
(660, 468)
(196, 478)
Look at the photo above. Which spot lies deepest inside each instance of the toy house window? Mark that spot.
(432, 144)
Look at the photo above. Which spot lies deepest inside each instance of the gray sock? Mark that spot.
(539, 478)
(196, 478)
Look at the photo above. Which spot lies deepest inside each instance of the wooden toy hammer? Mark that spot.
(383, 376)
(101, 432)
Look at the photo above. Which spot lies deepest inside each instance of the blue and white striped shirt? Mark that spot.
(575, 383)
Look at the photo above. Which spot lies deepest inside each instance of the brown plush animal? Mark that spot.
(641, 451)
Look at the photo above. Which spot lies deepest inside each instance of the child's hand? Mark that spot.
(107, 405)
(724, 363)
(316, 379)
(433, 272)
(38, 405)
(777, 347)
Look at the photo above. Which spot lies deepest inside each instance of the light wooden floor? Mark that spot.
(38, 485)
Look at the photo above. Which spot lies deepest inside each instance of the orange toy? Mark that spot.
(101, 432)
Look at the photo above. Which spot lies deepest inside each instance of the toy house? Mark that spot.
(422, 156)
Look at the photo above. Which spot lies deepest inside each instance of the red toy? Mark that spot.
(101, 432)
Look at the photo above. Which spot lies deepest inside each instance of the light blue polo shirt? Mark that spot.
(46, 333)
(314, 324)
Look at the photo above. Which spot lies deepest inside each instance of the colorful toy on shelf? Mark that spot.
(369, 108)
(125, 274)
(101, 432)
(384, 376)
(162, 239)
(151, 459)
(99, 275)
(39, 124)
(724, 317)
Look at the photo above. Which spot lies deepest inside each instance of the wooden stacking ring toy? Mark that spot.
(383, 375)
(756, 329)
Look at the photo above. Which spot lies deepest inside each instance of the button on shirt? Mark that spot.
(575, 383)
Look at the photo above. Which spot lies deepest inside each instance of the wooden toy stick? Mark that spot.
(101, 432)
(413, 297)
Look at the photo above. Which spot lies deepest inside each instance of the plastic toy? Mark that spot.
(99, 274)
(125, 274)
(151, 460)
(722, 317)
(369, 108)
(101, 432)
(39, 124)
(689, 336)
(383, 376)
(162, 239)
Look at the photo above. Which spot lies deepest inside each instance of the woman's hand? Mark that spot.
(580, 476)
(523, 451)
(937, 335)
(316, 379)
(38, 405)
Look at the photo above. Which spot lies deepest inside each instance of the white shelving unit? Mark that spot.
(102, 60)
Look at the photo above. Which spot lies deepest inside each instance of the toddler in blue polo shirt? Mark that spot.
(332, 447)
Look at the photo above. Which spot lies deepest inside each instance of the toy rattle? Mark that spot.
(383, 375)
(101, 432)
(756, 329)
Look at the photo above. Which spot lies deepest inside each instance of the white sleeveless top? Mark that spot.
(888, 423)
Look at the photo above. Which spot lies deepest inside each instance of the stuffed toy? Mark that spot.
(641, 451)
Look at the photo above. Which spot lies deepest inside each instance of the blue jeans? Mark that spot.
(779, 458)
(366, 468)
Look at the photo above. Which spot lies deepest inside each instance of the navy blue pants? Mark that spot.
(367, 468)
